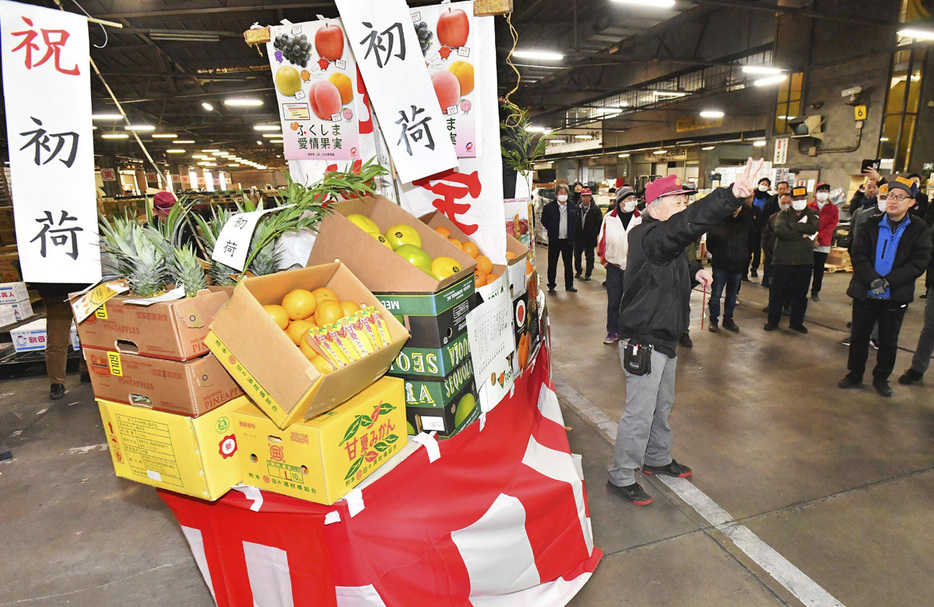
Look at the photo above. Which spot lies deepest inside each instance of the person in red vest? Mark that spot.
(829, 217)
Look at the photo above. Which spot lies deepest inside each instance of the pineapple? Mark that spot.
(187, 271)
(136, 253)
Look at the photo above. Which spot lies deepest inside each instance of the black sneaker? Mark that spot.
(910, 377)
(769, 327)
(815, 297)
(571, 290)
(633, 493)
(799, 329)
(578, 275)
(845, 342)
(551, 290)
(745, 279)
(713, 328)
(850, 382)
(673, 469)
(882, 387)
(586, 278)
(729, 325)
(686, 341)
(874, 343)
(57, 391)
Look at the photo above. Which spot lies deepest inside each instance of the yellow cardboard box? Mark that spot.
(196, 456)
(321, 459)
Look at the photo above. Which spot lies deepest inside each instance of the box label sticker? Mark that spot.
(433, 423)
(101, 312)
(113, 362)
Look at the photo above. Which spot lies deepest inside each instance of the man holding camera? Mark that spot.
(889, 254)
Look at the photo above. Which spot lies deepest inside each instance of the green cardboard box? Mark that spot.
(431, 362)
(438, 405)
(433, 319)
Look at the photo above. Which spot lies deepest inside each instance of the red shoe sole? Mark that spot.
(685, 475)
(641, 502)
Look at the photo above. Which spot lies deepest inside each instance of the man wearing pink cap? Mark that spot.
(659, 279)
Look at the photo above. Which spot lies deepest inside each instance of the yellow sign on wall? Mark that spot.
(861, 112)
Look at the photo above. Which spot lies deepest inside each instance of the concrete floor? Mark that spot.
(838, 483)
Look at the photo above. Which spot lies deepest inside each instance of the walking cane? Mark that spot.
(703, 313)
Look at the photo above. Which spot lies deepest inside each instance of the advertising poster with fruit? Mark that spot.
(444, 34)
(315, 77)
(388, 53)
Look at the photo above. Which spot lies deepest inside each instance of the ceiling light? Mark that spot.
(880, 138)
(164, 136)
(176, 151)
(261, 167)
(209, 150)
(232, 165)
(204, 163)
(761, 69)
(536, 129)
(712, 114)
(243, 102)
(258, 142)
(760, 143)
(106, 116)
(199, 156)
(626, 155)
(139, 127)
(771, 80)
(660, 152)
(541, 55)
(207, 106)
(787, 117)
(182, 141)
(115, 136)
(668, 94)
(917, 34)
(583, 136)
(708, 148)
(267, 127)
(271, 135)
(648, 3)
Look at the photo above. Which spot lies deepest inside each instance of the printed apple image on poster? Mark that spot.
(445, 35)
(315, 78)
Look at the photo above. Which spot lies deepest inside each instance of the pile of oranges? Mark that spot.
(483, 275)
(302, 310)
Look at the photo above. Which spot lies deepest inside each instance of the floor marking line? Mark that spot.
(794, 580)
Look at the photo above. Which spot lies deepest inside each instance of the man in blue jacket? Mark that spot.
(561, 218)
(889, 255)
(659, 279)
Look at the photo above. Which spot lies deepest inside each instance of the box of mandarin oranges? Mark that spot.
(304, 341)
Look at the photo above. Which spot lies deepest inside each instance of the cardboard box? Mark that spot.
(6, 218)
(9, 265)
(7, 316)
(196, 456)
(7, 236)
(433, 319)
(13, 292)
(373, 263)
(192, 387)
(20, 311)
(432, 404)
(268, 366)
(323, 458)
(173, 330)
(432, 362)
(31, 337)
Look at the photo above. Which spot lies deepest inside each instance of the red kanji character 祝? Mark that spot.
(54, 42)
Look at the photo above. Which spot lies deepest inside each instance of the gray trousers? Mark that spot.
(925, 349)
(644, 435)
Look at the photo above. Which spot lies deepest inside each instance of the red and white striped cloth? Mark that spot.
(500, 519)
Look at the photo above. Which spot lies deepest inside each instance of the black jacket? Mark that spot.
(587, 236)
(791, 246)
(770, 208)
(551, 219)
(911, 260)
(659, 276)
(728, 242)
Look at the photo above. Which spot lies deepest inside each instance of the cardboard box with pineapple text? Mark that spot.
(191, 387)
(270, 368)
(196, 456)
(323, 458)
(173, 330)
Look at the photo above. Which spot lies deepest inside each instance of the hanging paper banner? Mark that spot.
(445, 34)
(47, 92)
(388, 54)
(314, 74)
(472, 196)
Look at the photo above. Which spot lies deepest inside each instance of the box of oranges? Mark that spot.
(486, 272)
(304, 341)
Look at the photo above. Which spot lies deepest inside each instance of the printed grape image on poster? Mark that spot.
(317, 90)
(445, 33)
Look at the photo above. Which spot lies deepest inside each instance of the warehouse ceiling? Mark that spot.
(173, 56)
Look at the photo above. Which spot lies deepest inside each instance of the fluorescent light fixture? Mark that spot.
(583, 136)
(243, 102)
(104, 116)
(267, 127)
(207, 106)
(232, 165)
(625, 155)
(551, 141)
(203, 156)
(258, 142)
(176, 151)
(272, 135)
(261, 167)
(764, 70)
(540, 55)
(204, 163)
(768, 80)
(115, 136)
(648, 3)
(139, 127)
(709, 147)
(209, 150)
(917, 34)
(660, 152)
(787, 117)
(880, 138)
(164, 136)
(712, 114)
(672, 94)
(760, 143)
(184, 141)
(531, 129)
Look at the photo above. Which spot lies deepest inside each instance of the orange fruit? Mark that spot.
(510, 255)
(479, 278)
(471, 249)
(307, 350)
(278, 315)
(350, 307)
(297, 329)
(344, 86)
(322, 293)
(529, 268)
(328, 312)
(299, 303)
(484, 264)
(491, 279)
(463, 71)
(456, 243)
(322, 364)
(443, 231)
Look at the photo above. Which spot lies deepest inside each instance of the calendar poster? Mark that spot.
(492, 349)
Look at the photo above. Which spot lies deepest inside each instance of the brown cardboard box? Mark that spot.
(436, 219)
(6, 218)
(271, 369)
(190, 388)
(173, 330)
(9, 267)
(372, 262)
(7, 237)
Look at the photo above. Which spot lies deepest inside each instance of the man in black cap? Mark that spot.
(793, 261)
(889, 255)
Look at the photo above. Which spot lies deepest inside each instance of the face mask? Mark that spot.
(799, 205)
(562, 197)
(629, 206)
(881, 205)
(823, 196)
(763, 188)
(784, 207)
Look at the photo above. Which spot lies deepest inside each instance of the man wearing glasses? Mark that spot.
(890, 253)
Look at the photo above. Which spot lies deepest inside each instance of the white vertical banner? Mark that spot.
(781, 150)
(472, 196)
(47, 92)
(388, 53)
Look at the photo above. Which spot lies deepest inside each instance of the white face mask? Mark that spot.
(629, 206)
(784, 207)
(799, 205)
(822, 196)
(881, 204)
(562, 197)
(763, 188)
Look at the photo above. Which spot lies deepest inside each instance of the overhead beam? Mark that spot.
(774, 7)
